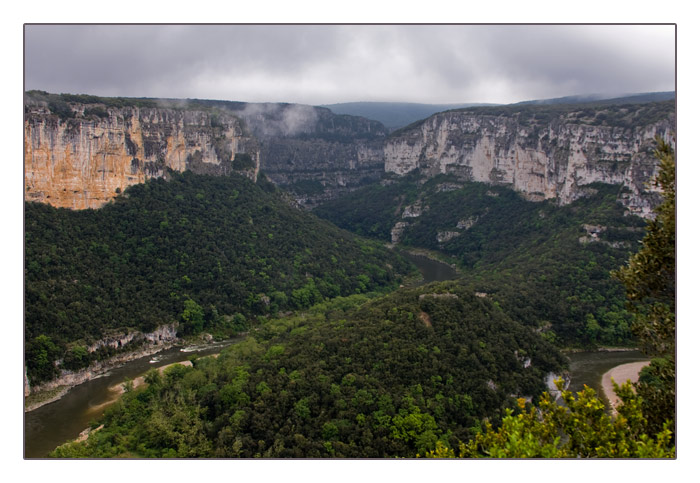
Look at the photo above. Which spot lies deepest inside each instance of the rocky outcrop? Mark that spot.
(551, 153)
(397, 230)
(445, 236)
(143, 345)
(87, 156)
(162, 335)
(83, 155)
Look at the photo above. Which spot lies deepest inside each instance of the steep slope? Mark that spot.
(82, 151)
(548, 265)
(544, 152)
(205, 252)
(310, 151)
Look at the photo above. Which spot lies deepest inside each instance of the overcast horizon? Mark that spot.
(328, 64)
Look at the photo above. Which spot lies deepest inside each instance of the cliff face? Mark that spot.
(148, 343)
(544, 159)
(85, 160)
(82, 155)
(315, 154)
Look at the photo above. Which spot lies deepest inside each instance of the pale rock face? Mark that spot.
(467, 223)
(445, 236)
(86, 161)
(152, 342)
(413, 211)
(397, 231)
(541, 162)
(163, 334)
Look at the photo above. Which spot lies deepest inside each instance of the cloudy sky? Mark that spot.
(317, 64)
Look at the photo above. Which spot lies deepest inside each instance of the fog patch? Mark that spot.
(274, 120)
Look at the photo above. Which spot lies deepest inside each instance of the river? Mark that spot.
(431, 270)
(53, 424)
(588, 367)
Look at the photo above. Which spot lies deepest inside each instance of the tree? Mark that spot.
(650, 281)
(41, 354)
(192, 317)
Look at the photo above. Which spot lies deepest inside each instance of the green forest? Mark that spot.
(548, 266)
(354, 377)
(212, 253)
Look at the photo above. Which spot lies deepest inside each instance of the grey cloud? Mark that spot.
(336, 63)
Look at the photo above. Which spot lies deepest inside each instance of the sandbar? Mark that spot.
(620, 374)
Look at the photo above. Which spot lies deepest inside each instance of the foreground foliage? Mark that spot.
(650, 282)
(582, 428)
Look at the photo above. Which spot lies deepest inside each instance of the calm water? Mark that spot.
(588, 367)
(55, 423)
(432, 270)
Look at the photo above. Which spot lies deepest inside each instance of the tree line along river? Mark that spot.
(53, 424)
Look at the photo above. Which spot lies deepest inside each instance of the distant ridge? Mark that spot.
(608, 99)
(395, 115)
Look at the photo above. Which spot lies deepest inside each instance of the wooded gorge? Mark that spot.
(209, 252)
(341, 354)
(546, 265)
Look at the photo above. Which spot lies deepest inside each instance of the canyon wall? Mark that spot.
(310, 151)
(544, 153)
(81, 155)
(86, 158)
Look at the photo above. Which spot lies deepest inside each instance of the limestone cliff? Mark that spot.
(548, 152)
(310, 151)
(141, 345)
(85, 155)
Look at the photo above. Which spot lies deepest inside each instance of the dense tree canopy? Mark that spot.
(349, 378)
(547, 265)
(200, 250)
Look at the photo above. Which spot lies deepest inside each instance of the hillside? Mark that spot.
(350, 378)
(208, 252)
(547, 265)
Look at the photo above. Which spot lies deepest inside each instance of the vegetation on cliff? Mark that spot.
(645, 423)
(208, 252)
(547, 265)
(619, 113)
